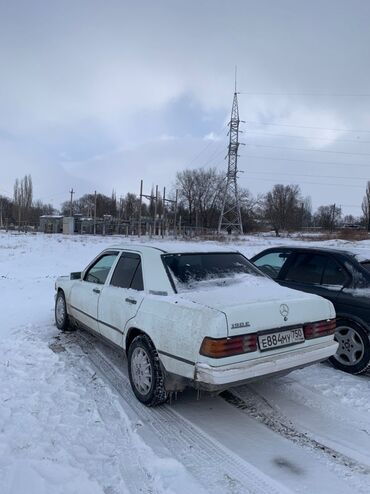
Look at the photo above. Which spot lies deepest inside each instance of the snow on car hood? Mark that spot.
(254, 303)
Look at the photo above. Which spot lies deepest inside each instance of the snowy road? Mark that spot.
(295, 462)
(70, 424)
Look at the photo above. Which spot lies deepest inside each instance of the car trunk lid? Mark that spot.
(261, 305)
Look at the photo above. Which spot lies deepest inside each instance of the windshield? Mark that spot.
(189, 271)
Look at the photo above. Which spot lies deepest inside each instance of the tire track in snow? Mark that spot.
(135, 477)
(314, 399)
(212, 465)
(260, 409)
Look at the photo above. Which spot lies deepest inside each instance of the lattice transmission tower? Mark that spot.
(230, 217)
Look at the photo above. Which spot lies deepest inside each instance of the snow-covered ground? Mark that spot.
(70, 424)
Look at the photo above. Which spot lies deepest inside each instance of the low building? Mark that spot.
(50, 223)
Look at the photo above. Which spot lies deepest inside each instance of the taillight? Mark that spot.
(318, 329)
(225, 347)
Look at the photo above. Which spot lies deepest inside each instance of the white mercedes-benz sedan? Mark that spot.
(207, 319)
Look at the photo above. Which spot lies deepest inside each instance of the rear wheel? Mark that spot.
(145, 373)
(61, 316)
(353, 354)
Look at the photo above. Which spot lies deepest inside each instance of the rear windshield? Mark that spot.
(191, 271)
(366, 265)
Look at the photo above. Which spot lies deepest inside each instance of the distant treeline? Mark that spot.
(200, 194)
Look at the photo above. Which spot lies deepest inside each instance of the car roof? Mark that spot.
(317, 249)
(166, 248)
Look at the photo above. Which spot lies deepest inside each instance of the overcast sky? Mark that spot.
(97, 95)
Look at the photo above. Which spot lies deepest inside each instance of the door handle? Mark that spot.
(131, 300)
(96, 290)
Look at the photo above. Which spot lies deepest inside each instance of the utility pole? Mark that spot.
(302, 214)
(71, 203)
(150, 197)
(368, 216)
(164, 216)
(333, 218)
(1, 213)
(163, 212)
(230, 217)
(140, 207)
(95, 212)
(155, 210)
(175, 216)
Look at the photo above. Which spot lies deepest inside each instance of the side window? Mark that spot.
(307, 268)
(137, 280)
(272, 263)
(128, 272)
(99, 271)
(334, 274)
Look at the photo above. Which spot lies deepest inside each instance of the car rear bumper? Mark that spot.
(222, 377)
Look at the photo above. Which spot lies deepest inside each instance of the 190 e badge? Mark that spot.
(237, 325)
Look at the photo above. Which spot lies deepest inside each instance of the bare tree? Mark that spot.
(250, 208)
(6, 211)
(305, 217)
(185, 182)
(328, 217)
(39, 208)
(366, 206)
(200, 195)
(207, 194)
(23, 193)
(130, 206)
(85, 205)
(281, 205)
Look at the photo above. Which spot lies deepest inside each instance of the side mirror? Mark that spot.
(75, 276)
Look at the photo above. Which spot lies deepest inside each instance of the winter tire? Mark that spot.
(61, 316)
(353, 354)
(145, 373)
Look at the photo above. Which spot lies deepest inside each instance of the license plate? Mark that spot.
(280, 338)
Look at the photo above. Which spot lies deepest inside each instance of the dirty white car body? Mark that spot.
(211, 335)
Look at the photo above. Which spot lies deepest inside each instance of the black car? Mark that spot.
(340, 276)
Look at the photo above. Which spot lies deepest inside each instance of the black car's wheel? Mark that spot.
(146, 376)
(353, 354)
(61, 316)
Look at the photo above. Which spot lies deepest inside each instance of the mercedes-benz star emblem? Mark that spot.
(284, 311)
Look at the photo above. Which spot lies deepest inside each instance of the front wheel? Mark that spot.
(353, 354)
(61, 316)
(145, 373)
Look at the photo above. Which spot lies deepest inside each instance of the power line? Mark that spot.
(213, 156)
(336, 163)
(351, 206)
(201, 152)
(356, 141)
(307, 127)
(56, 196)
(307, 149)
(309, 183)
(311, 175)
(208, 145)
(350, 95)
